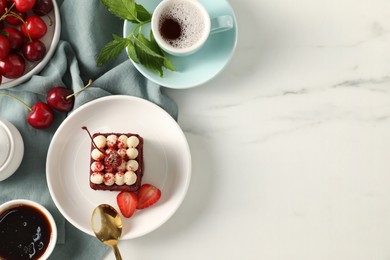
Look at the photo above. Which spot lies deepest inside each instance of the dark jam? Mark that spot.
(24, 233)
(170, 29)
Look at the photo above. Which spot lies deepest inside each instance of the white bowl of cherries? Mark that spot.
(29, 34)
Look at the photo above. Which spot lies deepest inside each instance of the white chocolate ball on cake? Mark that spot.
(111, 140)
(122, 141)
(109, 179)
(97, 177)
(132, 141)
(122, 152)
(132, 165)
(130, 177)
(97, 166)
(100, 141)
(97, 155)
(132, 153)
(119, 178)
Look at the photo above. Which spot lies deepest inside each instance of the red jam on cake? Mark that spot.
(116, 162)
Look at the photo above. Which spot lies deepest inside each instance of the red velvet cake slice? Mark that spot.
(116, 162)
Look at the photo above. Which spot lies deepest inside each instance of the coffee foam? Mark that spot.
(190, 20)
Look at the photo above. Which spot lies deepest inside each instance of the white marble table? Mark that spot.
(290, 143)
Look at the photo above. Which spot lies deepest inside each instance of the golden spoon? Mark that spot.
(107, 226)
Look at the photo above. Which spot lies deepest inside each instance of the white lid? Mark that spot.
(5, 144)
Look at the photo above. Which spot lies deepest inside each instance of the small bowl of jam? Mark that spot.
(27, 230)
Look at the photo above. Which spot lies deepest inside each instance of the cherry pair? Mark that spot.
(41, 114)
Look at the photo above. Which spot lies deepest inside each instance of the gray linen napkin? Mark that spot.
(86, 27)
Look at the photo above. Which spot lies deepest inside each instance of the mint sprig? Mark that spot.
(141, 49)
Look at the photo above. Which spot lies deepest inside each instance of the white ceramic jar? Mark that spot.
(11, 149)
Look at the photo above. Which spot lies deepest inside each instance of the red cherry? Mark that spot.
(112, 159)
(15, 20)
(40, 116)
(5, 46)
(34, 50)
(12, 66)
(34, 27)
(3, 5)
(24, 5)
(57, 98)
(15, 37)
(43, 7)
(62, 99)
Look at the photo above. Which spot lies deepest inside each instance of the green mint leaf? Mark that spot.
(112, 49)
(139, 48)
(147, 46)
(147, 55)
(142, 14)
(167, 63)
(116, 37)
(132, 53)
(124, 9)
(154, 44)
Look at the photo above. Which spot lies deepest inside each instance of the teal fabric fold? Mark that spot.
(86, 27)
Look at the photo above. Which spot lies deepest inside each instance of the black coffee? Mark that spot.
(181, 24)
(170, 29)
(25, 233)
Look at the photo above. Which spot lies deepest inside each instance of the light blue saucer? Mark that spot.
(205, 64)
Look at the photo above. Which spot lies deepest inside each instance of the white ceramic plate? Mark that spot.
(167, 161)
(50, 40)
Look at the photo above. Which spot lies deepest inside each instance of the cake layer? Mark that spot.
(116, 162)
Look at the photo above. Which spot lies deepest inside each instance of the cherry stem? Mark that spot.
(75, 93)
(18, 99)
(90, 136)
(7, 10)
(24, 22)
(10, 12)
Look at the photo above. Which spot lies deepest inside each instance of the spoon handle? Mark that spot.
(116, 252)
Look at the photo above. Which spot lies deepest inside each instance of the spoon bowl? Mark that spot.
(107, 226)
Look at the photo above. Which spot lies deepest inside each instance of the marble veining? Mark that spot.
(290, 143)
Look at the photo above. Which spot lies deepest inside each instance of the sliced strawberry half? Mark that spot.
(147, 196)
(127, 203)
